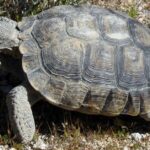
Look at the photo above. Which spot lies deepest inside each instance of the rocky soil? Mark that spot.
(57, 129)
(133, 141)
(138, 9)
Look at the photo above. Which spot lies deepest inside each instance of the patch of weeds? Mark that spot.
(146, 1)
(18, 9)
(6, 140)
(71, 131)
(70, 2)
(97, 134)
(72, 135)
(133, 12)
(36, 135)
(121, 134)
(111, 147)
(136, 146)
(17, 146)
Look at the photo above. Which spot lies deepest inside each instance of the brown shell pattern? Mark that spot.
(88, 59)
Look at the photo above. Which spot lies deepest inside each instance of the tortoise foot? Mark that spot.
(20, 114)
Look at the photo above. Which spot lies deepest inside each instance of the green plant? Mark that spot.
(18, 8)
(133, 12)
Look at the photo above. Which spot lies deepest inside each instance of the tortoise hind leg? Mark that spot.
(20, 114)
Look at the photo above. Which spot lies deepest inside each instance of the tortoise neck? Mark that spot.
(8, 34)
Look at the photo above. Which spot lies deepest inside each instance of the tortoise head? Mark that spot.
(8, 34)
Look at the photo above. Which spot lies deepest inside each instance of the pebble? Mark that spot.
(83, 140)
(136, 136)
(27, 147)
(2, 147)
(125, 148)
(40, 144)
(6, 147)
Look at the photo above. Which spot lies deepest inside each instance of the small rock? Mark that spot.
(141, 19)
(144, 136)
(27, 148)
(1, 147)
(59, 148)
(125, 148)
(129, 137)
(6, 146)
(12, 148)
(140, 8)
(136, 136)
(40, 144)
(83, 140)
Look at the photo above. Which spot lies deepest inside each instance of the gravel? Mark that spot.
(40, 143)
(133, 141)
(142, 7)
(136, 136)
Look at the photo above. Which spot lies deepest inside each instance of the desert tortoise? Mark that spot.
(86, 59)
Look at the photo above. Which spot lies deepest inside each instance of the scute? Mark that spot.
(115, 28)
(99, 63)
(45, 31)
(26, 23)
(147, 64)
(132, 106)
(145, 102)
(140, 35)
(64, 58)
(130, 68)
(38, 78)
(115, 103)
(30, 63)
(74, 94)
(29, 47)
(95, 99)
(53, 90)
(79, 26)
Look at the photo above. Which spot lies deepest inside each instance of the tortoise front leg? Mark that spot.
(20, 114)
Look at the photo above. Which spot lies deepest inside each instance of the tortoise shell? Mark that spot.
(88, 59)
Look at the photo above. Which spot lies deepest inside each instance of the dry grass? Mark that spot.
(66, 130)
(17, 9)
